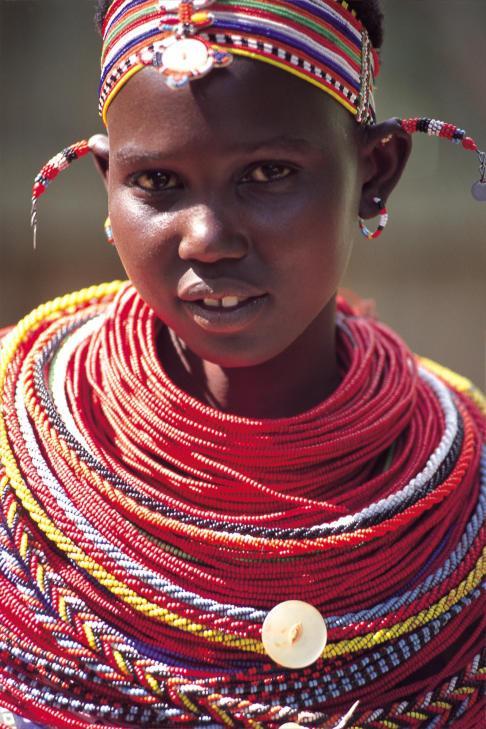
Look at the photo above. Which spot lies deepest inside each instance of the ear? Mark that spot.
(385, 150)
(100, 148)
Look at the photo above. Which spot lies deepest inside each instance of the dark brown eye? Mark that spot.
(268, 172)
(155, 181)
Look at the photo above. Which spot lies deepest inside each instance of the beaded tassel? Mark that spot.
(436, 128)
(50, 171)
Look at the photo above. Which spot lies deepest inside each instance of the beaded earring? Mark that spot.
(383, 213)
(109, 231)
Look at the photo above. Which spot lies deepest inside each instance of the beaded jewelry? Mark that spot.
(436, 128)
(50, 171)
(383, 213)
(320, 41)
(126, 600)
(179, 56)
(108, 231)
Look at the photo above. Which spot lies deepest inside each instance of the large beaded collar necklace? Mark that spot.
(127, 600)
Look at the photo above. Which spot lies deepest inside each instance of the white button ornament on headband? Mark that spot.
(180, 57)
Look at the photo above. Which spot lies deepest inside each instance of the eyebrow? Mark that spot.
(132, 155)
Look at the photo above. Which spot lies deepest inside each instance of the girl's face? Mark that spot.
(233, 203)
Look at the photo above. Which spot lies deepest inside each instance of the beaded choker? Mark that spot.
(320, 41)
(145, 536)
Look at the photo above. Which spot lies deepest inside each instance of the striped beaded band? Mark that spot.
(320, 41)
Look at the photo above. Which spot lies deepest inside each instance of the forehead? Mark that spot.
(247, 102)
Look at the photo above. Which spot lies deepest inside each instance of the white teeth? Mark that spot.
(230, 301)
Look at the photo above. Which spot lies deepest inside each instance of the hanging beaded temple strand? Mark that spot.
(50, 171)
(436, 128)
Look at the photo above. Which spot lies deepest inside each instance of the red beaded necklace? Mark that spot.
(157, 528)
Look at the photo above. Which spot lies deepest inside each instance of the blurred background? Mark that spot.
(426, 273)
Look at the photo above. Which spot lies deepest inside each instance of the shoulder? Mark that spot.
(94, 298)
(41, 327)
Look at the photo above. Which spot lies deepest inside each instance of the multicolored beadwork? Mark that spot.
(50, 171)
(383, 213)
(145, 536)
(320, 41)
(436, 128)
(180, 57)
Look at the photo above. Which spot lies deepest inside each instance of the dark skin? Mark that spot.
(252, 176)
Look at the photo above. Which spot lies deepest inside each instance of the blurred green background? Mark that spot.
(426, 273)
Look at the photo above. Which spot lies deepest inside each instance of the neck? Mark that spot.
(302, 376)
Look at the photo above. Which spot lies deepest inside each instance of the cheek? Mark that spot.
(137, 230)
(320, 253)
(316, 235)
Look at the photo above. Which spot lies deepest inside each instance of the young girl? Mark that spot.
(227, 498)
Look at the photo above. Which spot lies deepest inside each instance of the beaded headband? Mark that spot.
(320, 41)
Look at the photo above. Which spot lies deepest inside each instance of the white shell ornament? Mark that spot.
(294, 634)
(182, 60)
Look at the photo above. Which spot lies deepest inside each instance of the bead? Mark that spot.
(470, 144)
(294, 634)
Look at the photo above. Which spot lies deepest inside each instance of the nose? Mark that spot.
(209, 236)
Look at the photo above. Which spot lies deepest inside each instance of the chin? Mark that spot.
(232, 352)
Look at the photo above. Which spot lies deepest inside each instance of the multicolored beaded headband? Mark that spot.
(320, 41)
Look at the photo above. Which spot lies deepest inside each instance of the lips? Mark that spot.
(223, 305)
(225, 291)
(219, 320)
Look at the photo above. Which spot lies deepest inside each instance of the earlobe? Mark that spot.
(385, 150)
(100, 148)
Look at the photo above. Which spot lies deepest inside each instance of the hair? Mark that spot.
(368, 11)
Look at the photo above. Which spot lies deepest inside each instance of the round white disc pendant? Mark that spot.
(294, 634)
(185, 56)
